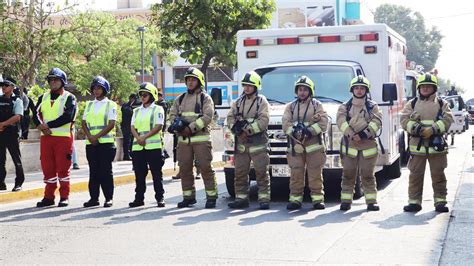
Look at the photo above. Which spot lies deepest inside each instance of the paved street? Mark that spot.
(197, 235)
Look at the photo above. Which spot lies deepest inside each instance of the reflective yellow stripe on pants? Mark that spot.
(296, 198)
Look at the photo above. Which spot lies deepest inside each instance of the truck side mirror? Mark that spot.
(389, 92)
(216, 95)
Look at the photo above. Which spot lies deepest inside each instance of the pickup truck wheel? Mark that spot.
(358, 191)
(229, 181)
(393, 171)
(404, 154)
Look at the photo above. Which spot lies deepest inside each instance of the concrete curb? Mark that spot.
(10, 197)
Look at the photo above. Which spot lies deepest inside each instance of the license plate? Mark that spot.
(281, 171)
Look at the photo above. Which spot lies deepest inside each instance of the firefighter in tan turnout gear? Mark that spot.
(425, 119)
(304, 121)
(191, 114)
(359, 120)
(248, 119)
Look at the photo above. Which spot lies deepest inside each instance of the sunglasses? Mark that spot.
(144, 95)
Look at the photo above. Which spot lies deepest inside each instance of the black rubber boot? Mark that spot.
(412, 207)
(345, 206)
(441, 207)
(293, 205)
(160, 203)
(136, 203)
(63, 202)
(239, 204)
(91, 203)
(45, 203)
(373, 207)
(264, 205)
(186, 203)
(319, 206)
(108, 203)
(210, 204)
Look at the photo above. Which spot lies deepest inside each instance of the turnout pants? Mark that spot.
(10, 142)
(141, 161)
(25, 126)
(55, 156)
(187, 153)
(242, 167)
(366, 167)
(417, 165)
(100, 159)
(127, 142)
(312, 164)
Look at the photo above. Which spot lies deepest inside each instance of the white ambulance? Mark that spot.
(331, 57)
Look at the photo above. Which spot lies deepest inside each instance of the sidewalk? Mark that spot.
(459, 242)
(123, 174)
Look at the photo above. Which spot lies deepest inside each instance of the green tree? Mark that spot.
(101, 45)
(423, 44)
(204, 30)
(27, 39)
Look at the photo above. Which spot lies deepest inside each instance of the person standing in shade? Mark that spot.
(127, 112)
(146, 125)
(25, 122)
(11, 110)
(98, 123)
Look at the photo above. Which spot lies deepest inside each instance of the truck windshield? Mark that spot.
(331, 82)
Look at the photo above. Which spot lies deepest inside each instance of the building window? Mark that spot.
(217, 74)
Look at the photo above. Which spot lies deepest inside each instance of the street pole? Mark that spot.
(141, 31)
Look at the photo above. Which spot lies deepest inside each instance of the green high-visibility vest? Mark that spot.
(52, 112)
(144, 123)
(98, 121)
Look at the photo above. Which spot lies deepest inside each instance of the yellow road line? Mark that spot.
(10, 197)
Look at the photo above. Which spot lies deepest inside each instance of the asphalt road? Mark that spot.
(202, 236)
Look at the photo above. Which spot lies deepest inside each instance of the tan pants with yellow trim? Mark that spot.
(242, 167)
(349, 175)
(312, 163)
(187, 153)
(417, 165)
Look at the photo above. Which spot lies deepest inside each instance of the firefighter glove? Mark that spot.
(426, 132)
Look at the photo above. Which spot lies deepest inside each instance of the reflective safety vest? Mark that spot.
(144, 123)
(98, 121)
(52, 112)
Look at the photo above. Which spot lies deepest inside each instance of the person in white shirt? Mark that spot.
(98, 123)
(147, 123)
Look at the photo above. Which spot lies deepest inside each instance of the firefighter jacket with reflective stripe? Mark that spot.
(199, 117)
(52, 110)
(425, 114)
(96, 121)
(254, 110)
(144, 123)
(359, 119)
(312, 114)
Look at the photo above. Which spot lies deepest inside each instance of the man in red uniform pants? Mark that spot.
(55, 113)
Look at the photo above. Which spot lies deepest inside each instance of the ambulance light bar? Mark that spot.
(366, 37)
